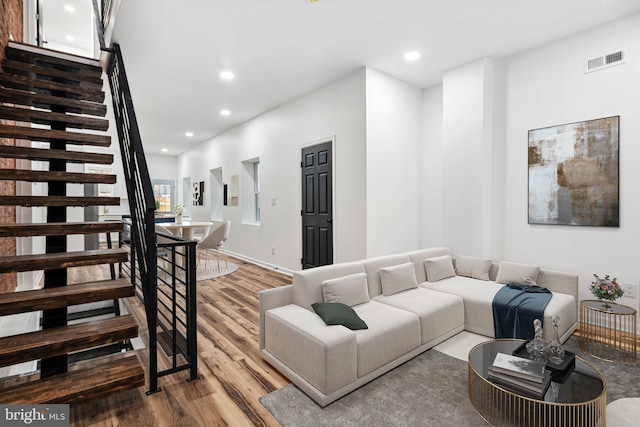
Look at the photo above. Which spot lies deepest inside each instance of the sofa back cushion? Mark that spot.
(477, 268)
(438, 268)
(349, 290)
(307, 284)
(372, 267)
(398, 278)
(418, 257)
(512, 272)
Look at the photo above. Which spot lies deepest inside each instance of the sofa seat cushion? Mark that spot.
(325, 356)
(439, 312)
(478, 296)
(392, 333)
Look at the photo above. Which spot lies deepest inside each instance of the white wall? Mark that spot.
(467, 158)
(546, 87)
(162, 167)
(394, 139)
(276, 137)
(430, 180)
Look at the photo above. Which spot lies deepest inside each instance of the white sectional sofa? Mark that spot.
(410, 303)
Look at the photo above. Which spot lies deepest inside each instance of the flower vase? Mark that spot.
(179, 219)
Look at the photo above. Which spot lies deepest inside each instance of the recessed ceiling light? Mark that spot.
(225, 112)
(69, 8)
(226, 75)
(70, 38)
(164, 150)
(412, 56)
(189, 134)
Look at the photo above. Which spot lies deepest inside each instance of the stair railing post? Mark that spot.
(192, 311)
(152, 295)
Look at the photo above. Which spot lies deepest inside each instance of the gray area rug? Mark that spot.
(623, 380)
(429, 390)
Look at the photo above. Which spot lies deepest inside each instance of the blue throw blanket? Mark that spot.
(515, 307)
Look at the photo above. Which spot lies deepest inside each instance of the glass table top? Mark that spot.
(613, 308)
(582, 385)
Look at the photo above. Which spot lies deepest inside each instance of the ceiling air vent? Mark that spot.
(605, 61)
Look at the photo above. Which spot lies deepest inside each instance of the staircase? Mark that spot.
(67, 94)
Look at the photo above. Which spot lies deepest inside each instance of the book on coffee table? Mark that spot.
(519, 367)
(528, 388)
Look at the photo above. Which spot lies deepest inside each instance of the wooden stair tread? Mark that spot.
(50, 176)
(97, 381)
(21, 97)
(58, 201)
(46, 60)
(31, 70)
(45, 154)
(41, 117)
(60, 228)
(36, 134)
(34, 84)
(44, 117)
(65, 339)
(57, 260)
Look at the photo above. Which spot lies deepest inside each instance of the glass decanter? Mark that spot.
(537, 347)
(556, 352)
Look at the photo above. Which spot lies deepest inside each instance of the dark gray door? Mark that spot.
(317, 212)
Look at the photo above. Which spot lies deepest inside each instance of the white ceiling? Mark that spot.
(282, 49)
(77, 23)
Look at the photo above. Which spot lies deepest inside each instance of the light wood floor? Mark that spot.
(233, 374)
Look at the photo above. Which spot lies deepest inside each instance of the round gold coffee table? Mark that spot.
(579, 401)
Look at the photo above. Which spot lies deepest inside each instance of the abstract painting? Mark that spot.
(573, 173)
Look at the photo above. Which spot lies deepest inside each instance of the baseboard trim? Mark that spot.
(260, 263)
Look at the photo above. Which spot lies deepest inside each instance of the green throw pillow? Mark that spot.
(336, 313)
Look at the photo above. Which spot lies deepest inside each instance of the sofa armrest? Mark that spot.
(556, 281)
(273, 298)
(325, 356)
(564, 283)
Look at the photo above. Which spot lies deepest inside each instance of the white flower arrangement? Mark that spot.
(178, 209)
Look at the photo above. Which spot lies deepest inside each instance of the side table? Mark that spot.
(608, 332)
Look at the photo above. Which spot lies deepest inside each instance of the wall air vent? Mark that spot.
(605, 61)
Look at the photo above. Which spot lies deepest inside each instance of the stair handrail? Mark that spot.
(141, 199)
(102, 16)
